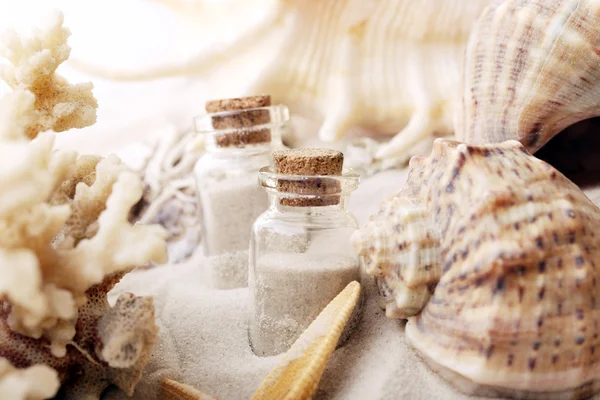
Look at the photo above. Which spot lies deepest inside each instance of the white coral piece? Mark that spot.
(34, 383)
(58, 105)
(65, 239)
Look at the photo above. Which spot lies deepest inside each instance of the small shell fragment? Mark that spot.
(173, 390)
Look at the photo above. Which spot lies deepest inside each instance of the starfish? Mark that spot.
(299, 372)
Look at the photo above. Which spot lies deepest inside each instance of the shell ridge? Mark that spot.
(544, 64)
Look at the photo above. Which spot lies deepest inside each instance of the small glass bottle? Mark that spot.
(240, 135)
(300, 253)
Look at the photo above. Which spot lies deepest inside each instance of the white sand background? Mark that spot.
(203, 338)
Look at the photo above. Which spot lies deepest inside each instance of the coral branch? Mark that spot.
(65, 240)
(59, 106)
(34, 383)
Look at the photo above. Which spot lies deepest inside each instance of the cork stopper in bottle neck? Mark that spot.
(240, 123)
(306, 163)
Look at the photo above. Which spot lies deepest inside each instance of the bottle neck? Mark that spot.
(242, 132)
(241, 151)
(277, 203)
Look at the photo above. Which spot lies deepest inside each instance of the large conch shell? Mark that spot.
(386, 66)
(532, 70)
(514, 248)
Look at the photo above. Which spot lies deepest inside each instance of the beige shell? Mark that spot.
(389, 67)
(169, 199)
(532, 69)
(515, 310)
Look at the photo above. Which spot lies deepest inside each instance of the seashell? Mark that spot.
(532, 70)
(169, 199)
(515, 310)
(299, 372)
(173, 390)
(388, 67)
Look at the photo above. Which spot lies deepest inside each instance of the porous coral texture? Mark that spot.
(65, 240)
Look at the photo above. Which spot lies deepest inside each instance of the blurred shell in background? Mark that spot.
(165, 166)
(378, 68)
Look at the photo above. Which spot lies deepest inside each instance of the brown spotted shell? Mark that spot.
(532, 69)
(515, 310)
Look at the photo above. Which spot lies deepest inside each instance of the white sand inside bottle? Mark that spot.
(291, 286)
(232, 199)
(289, 292)
(230, 205)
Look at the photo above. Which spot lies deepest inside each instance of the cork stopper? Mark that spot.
(307, 162)
(242, 120)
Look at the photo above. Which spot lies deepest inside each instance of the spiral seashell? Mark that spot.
(532, 70)
(515, 311)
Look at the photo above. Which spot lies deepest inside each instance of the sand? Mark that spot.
(203, 342)
(204, 338)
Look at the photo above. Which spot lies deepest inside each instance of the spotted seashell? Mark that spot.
(515, 311)
(532, 70)
(401, 248)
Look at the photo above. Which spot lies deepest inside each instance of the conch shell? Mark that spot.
(388, 67)
(532, 70)
(514, 249)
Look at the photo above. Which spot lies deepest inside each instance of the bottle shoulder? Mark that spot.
(223, 164)
(331, 219)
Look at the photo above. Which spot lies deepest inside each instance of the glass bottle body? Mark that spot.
(231, 197)
(300, 259)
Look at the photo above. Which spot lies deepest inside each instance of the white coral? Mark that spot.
(58, 105)
(64, 230)
(34, 383)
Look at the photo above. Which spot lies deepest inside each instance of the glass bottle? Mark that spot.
(301, 256)
(237, 143)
